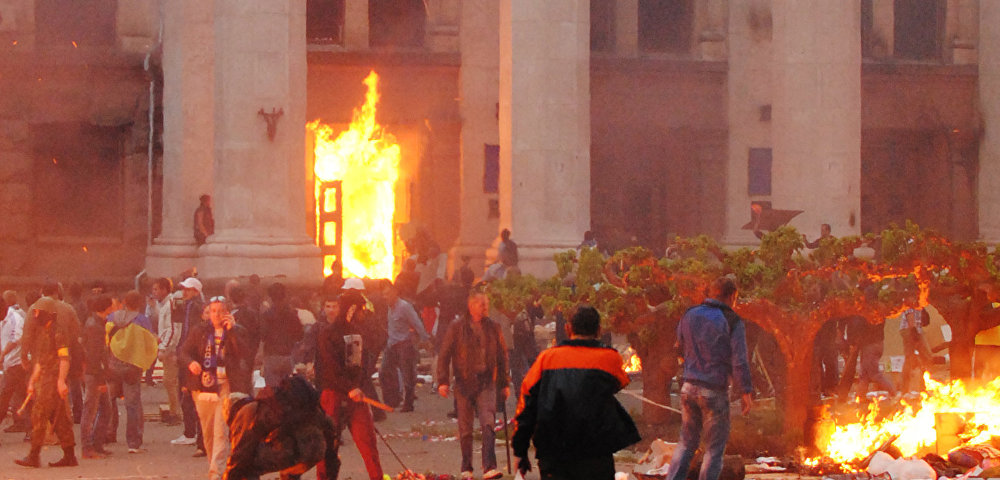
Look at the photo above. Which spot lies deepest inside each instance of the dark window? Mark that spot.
(396, 23)
(602, 25)
(78, 188)
(759, 172)
(666, 25)
(491, 169)
(918, 29)
(324, 21)
(85, 22)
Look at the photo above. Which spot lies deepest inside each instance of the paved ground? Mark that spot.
(424, 439)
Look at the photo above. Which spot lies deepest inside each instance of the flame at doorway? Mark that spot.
(365, 159)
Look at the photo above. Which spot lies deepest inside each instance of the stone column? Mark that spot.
(627, 27)
(710, 24)
(816, 113)
(356, 25)
(442, 25)
(883, 28)
(962, 30)
(989, 106)
(544, 127)
(749, 89)
(479, 81)
(260, 222)
(188, 130)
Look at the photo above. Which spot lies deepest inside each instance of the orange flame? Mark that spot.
(915, 426)
(631, 361)
(366, 159)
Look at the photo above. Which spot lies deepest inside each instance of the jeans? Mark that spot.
(485, 404)
(171, 381)
(357, 417)
(211, 412)
(96, 413)
(917, 358)
(704, 411)
(15, 386)
(192, 428)
(126, 384)
(871, 355)
(400, 358)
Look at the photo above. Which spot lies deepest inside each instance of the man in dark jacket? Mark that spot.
(341, 374)
(97, 403)
(473, 350)
(713, 339)
(568, 406)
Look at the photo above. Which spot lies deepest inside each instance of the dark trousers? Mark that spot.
(76, 397)
(125, 384)
(357, 417)
(400, 358)
(96, 418)
(15, 385)
(484, 406)
(192, 426)
(598, 468)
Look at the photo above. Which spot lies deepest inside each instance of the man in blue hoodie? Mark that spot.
(713, 340)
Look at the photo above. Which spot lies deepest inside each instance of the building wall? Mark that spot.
(74, 135)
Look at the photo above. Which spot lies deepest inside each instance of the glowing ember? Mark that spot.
(366, 159)
(915, 425)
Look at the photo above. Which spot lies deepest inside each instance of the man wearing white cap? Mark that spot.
(185, 316)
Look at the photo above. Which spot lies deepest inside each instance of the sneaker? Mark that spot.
(199, 453)
(492, 474)
(467, 476)
(137, 450)
(182, 440)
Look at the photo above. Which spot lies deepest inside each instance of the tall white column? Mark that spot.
(188, 129)
(989, 107)
(479, 81)
(544, 127)
(750, 88)
(259, 209)
(816, 113)
(356, 24)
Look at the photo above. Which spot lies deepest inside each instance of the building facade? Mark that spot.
(637, 119)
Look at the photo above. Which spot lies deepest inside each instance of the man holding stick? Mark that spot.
(340, 375)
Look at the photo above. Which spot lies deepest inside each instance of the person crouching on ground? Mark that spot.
(214, 353)
(568, 406)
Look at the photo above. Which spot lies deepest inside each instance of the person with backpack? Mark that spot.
(712, 338)
(128, 359)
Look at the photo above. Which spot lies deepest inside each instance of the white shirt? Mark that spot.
(10, 331)
(168, 332)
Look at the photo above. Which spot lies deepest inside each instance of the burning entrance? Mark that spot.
(356, 175)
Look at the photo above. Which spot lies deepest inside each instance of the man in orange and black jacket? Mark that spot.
(568, 406)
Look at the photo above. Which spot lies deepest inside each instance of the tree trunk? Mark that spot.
(659, 366)
(796, 395)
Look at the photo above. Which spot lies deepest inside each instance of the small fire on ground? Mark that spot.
(365, 158)
(915, 426)
(631, 361)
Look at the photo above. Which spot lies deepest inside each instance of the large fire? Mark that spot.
(365, 158)
(915, 425)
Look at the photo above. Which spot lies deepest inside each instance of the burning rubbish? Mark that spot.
(918, 426)
(365, 159)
